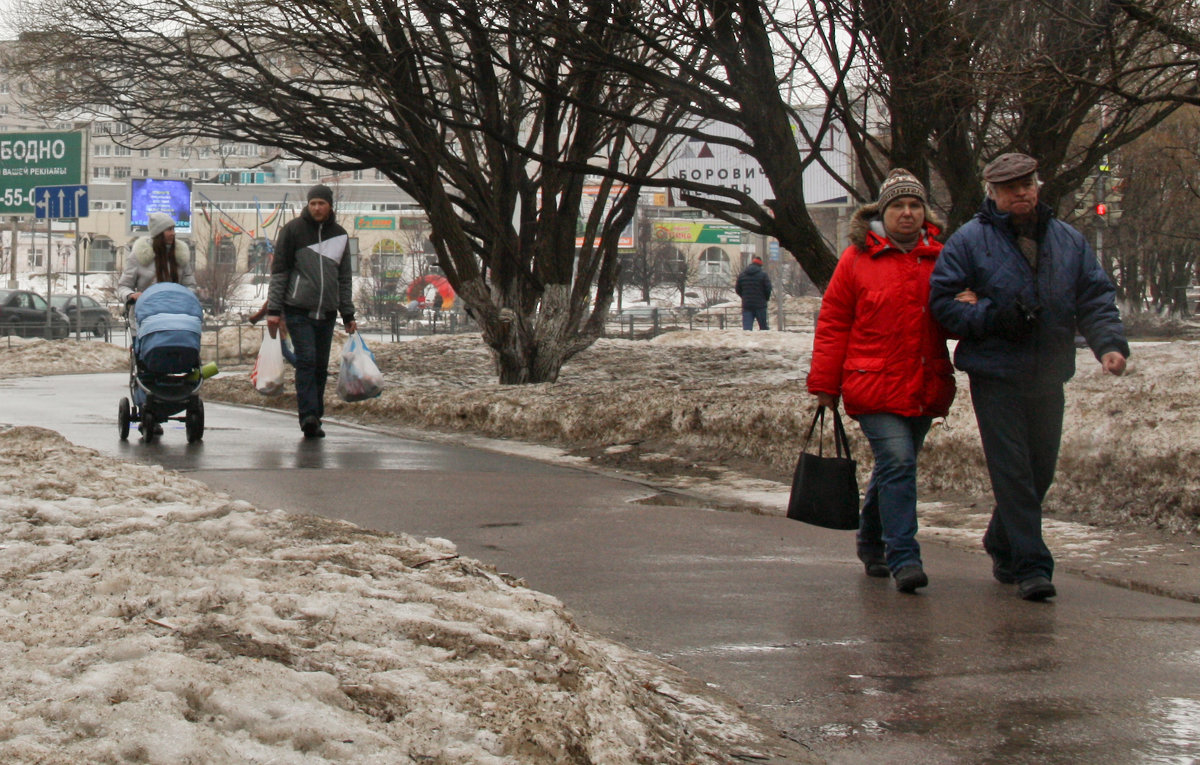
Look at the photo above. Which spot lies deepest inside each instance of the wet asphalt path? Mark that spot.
(773, 613)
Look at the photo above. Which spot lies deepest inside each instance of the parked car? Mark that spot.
(94, 317)
(23, 313)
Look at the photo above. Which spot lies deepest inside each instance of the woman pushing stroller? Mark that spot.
(156, 257)
(161, 389)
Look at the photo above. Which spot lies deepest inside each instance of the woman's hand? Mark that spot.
(967, 296)
(827, 400)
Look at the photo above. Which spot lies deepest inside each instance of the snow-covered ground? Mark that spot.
(145, 618)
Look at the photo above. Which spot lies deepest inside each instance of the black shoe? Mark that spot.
(1036, 588)
(312, 427)
(877, 568)
(1002, 574)
(874, 562)
(910, 577)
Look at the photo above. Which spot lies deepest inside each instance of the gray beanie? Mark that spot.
(900, 183)
(159, 222)
(320, 191)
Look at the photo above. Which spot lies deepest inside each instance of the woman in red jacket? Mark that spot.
(878, 348)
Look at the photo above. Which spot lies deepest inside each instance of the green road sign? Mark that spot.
(29, 160)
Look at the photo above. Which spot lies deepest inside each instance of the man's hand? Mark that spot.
(827, 399)
(1015, 322)
(351, 328)
(967, 296)
(1113, 363)
(273, 323)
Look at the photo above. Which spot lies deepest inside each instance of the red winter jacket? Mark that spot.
(877, 345)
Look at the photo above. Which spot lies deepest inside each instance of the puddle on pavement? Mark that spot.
(1177, 738)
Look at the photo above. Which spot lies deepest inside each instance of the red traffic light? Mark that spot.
(1101, 208)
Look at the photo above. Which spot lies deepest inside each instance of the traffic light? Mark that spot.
(1101, 209)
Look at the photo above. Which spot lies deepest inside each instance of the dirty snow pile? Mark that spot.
(145, 618)
(690, 408)
(24, 357)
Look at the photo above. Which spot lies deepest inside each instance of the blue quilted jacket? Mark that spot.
(1070, 289)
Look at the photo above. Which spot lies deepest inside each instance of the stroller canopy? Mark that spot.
(168, 315)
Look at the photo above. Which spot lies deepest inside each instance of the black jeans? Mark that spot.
(311, 339)
(1021, 429)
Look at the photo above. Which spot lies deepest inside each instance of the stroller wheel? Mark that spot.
(123, 419)
(149, 432)
(193, 421)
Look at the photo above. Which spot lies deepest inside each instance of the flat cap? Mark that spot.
(1009, 167)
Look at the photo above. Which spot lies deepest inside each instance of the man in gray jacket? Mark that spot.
(310, 285)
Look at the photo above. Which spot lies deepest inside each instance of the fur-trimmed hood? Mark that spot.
(860, 224)
(143, 250)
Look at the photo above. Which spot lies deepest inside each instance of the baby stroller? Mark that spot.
(164, 363)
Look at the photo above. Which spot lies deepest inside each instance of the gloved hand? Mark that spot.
(1015, 321)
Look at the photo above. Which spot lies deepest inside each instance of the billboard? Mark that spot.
(29, 160)
(172, 196)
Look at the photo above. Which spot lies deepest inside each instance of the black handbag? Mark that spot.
(825, 489)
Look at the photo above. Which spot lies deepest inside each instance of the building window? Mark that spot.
(226, 251)
(164, 172)
(358, 175)
(164, 152)
(185, 152)
(714, 262)
(102, 150)
(312, 173)
(122, 151)
(143, 153)
(144, 172)
(101, 255)
(293, 172)
(101, 172)
(120, 172)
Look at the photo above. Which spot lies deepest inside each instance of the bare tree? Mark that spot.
(961, 81)
(475, 108)
(216, 283)
(748, 65)
(1154, 244)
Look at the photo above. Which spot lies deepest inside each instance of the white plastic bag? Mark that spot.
(267, 375)
(359, 377)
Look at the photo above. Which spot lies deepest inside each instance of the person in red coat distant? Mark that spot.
(878, 349)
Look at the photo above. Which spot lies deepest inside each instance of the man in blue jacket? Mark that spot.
(1031, 281)
(311, 283)
(753, 286)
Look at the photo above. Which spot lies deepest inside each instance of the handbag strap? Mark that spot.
(841, 442)
(818, 415)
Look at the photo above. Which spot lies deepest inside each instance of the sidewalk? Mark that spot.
(1141, 560)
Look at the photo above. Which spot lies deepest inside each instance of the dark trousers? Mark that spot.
(311, 339)
(1021, 430)
(751, 315)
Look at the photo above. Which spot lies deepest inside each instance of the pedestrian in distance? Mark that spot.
(878, 349)
(156, 257)
(753, 286)
(1035, 280)
(311, 285)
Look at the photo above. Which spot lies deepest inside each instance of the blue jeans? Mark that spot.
(889, 513)
(1021, 429)
(311, 340)
(750, 315)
